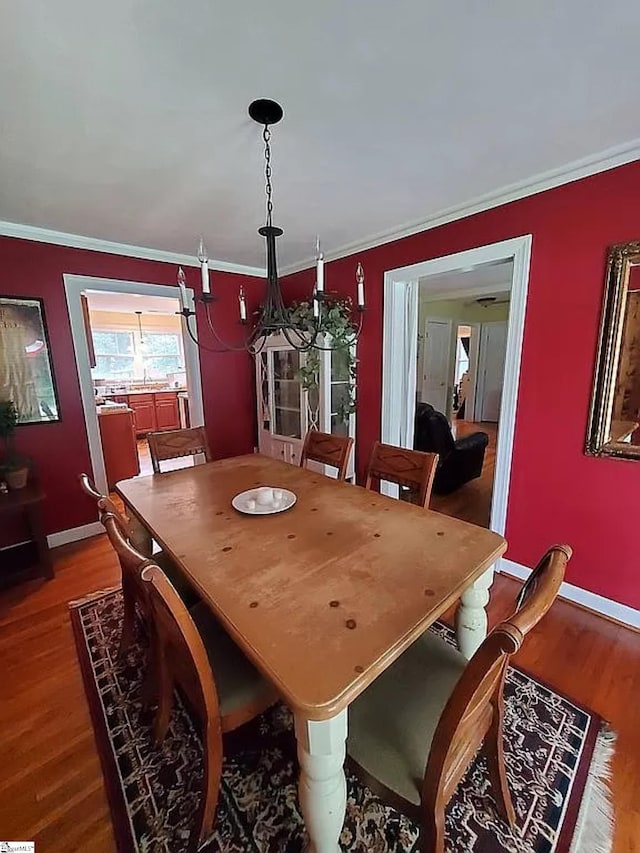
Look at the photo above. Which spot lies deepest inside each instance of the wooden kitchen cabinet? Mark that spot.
(152, 412)
(167, 415)
(117, 433)
(144, 412)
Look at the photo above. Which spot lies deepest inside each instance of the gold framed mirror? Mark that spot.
(614, 418)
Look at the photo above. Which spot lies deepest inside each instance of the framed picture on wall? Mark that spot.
(26, 373)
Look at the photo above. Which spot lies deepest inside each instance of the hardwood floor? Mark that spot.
(472, 502)
(51, 786)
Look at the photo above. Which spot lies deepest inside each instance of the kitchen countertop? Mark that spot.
(140, 391)
(112, 410)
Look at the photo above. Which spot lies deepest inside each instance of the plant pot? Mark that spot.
(17, 478)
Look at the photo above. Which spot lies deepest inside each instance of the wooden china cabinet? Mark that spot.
(286, 410)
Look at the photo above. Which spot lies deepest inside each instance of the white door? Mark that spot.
(493, 347)
(436, 364)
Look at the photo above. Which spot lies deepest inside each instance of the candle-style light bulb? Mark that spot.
(243, 305)
(204, 268)
(360, 284)
(319, 267)
(183, 290)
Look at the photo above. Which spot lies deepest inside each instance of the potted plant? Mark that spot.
(336, 323)
(14, 467)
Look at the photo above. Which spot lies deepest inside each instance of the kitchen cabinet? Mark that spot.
(153, 411)
(144, 412)
(167, 415)
(118, 437)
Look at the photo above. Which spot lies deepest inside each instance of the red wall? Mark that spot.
(60, 450)
(557, 493)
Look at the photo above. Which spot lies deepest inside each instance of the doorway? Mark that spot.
(139, 378)
(401, 300)
(143, 362)
(466, 346)
(462, 381)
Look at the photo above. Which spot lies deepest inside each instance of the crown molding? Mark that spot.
(94, 244)
(610, 158)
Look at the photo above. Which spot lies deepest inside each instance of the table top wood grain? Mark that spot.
(322, 597)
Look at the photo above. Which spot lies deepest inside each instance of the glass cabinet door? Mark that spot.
(339, 392)
(287, 409)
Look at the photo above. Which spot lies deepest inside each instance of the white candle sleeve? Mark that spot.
(183, 296)
(316, 308)
(243, 307)
(320, 275)
(204, 269)
(360, 283)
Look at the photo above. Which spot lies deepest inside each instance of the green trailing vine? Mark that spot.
(335, 321)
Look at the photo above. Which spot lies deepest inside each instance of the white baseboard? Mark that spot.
(74, 534)
(598, 603)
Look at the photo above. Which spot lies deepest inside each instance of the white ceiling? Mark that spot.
(129, 303)
(127, 120)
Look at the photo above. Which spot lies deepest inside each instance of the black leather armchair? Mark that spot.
(460, 461)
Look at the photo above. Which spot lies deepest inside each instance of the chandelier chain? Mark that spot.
(266, 135)
(274, 315)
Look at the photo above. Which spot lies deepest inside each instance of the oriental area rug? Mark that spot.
(557, 757)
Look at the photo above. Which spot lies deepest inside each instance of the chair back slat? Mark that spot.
(131, 560)
(539, 590)
(180, 646)
(178, 635)
(411, 468)
(176, 443)
(105, 505)
(332, 450)
(476, 703)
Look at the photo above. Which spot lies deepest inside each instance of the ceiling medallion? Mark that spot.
(273, 316)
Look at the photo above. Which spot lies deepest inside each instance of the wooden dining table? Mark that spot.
(323, 597)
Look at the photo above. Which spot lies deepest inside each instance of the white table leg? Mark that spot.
(471, 618)
(322, 787)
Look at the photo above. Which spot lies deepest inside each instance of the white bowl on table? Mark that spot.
(265, 500)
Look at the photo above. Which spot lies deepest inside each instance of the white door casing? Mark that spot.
(74, 285)
(518, 249)
(436, 364)
(399, 357)
(491, 363)
(474, 347)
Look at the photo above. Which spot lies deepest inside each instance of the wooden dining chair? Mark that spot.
(132, 592)
(195, 655)
(412, 469)
(176, 443)
(332, 450)
(414, 731)
(131, 529)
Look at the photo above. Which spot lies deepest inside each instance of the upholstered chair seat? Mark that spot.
(395, 748)
(238, 682)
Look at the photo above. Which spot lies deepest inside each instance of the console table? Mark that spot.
(27, 503)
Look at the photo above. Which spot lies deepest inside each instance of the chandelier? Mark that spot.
(273, 317)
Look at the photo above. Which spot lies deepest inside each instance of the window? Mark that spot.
(115, 355)
(162, 353)
(127, 356)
